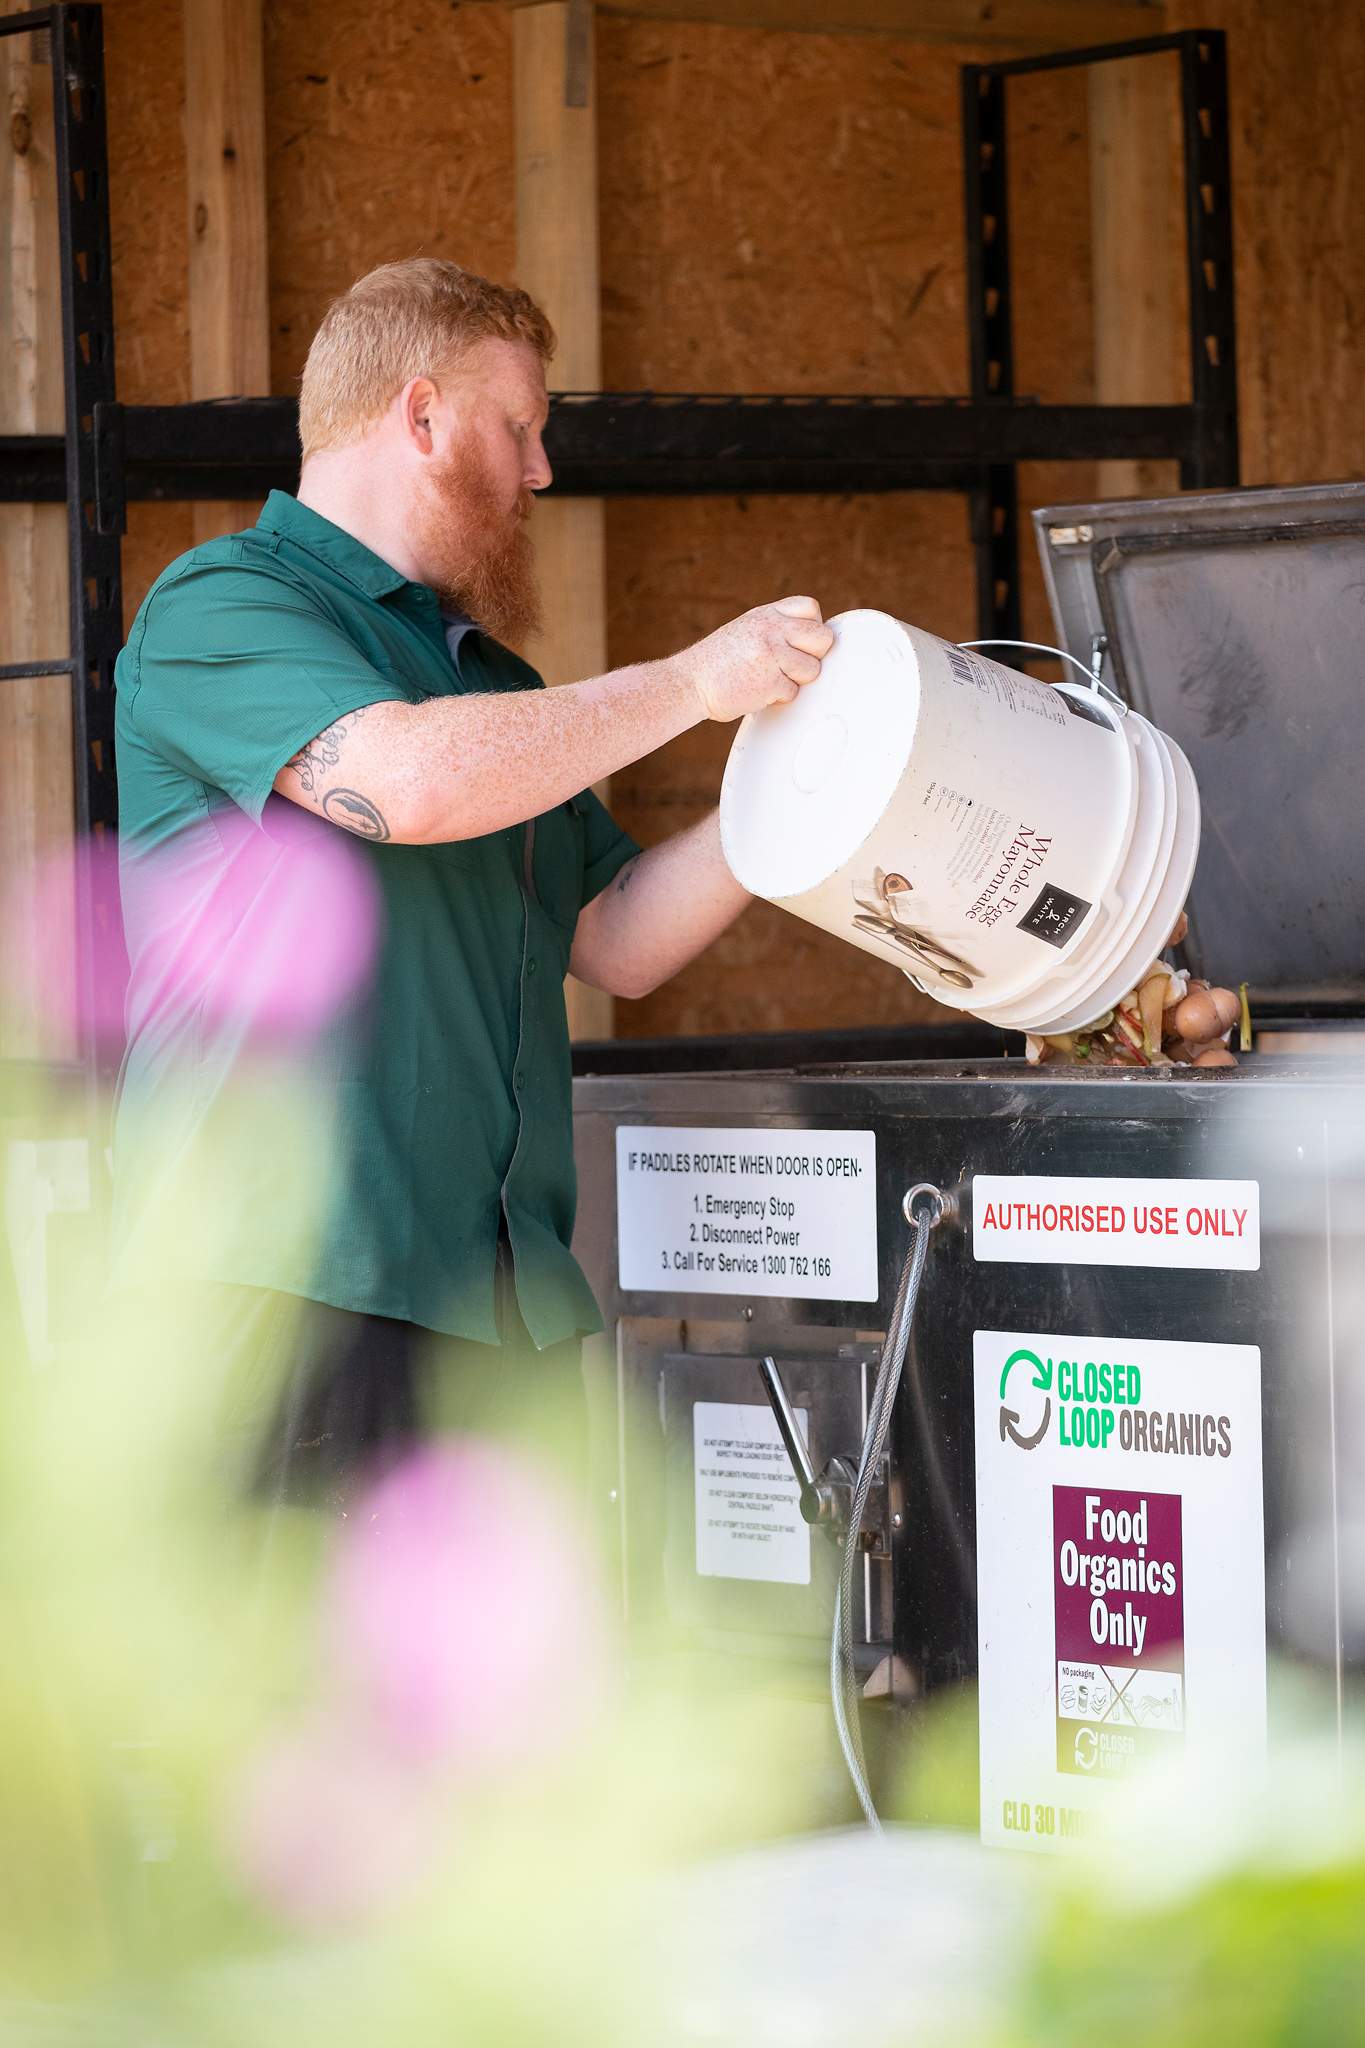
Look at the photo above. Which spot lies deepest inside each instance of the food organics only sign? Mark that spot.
(1120, 1566)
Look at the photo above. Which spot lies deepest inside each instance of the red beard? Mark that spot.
(478, 553)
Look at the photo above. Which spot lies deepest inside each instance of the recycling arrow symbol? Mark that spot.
(1009, 1417)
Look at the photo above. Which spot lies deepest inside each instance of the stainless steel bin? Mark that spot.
(1268, 1336)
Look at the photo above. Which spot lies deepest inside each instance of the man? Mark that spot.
(343, 668)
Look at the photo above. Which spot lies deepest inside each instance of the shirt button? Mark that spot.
(519, 1079)
(530, 967)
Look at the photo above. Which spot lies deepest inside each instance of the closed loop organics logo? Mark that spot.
(1035, 1422)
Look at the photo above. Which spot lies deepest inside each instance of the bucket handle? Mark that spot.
(1092, 675)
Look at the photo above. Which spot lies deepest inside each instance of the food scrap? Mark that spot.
(1165, 1020)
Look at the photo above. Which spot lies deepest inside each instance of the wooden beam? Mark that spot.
(1137, 243)
(228, 276)
(557, 262)
(37, 770)
(1010, 25)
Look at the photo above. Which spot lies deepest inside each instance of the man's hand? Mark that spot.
(761, 658)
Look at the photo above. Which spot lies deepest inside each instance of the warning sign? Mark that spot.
(748, 1503)
(1120, 1569)
(791, 1214)
(1085, 1220)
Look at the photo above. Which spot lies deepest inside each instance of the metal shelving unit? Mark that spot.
(1202, 435)
(621, 443)
(76, 52)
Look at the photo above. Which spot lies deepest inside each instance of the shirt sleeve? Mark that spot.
(606, 848)
(237, 670)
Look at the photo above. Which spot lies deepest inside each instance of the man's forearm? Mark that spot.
(459, 767)
(502, 758)
(664, 908)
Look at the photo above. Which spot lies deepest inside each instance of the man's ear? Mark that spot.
(415, 403)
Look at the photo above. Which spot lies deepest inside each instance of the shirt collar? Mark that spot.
(340, 550)
(456, 625)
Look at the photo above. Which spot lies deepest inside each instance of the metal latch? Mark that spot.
(826, 1499)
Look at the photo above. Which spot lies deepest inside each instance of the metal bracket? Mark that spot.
(111, 470)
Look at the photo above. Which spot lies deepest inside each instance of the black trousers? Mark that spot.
(321, 1399)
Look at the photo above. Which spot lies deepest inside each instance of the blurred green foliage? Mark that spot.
(1266, 1958)
(160, 1636)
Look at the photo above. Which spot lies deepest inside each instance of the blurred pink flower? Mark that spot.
(328, 1830)
(39, 945)
(270, 929)
(270, 932)
(466, 1611)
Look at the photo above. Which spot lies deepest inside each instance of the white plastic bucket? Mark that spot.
(1144, 913)
(1019, 849)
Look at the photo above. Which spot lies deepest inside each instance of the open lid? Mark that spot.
(1235, 621)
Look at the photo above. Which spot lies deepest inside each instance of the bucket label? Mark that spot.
(1054, 917)
(1046, 1220)
(1120, 1570)
(1007, 862)
(1005, 689)
(749, 1212)
(748, 1504)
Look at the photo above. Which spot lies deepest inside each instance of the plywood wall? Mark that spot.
(385, 136)
(389, 134)
(145, 82)
(806, 237)
(1298, 172)
(779, 212)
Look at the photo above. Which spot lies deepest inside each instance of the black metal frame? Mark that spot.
(637, 443)
(76, 53)
(609, 444)
(1204, 437)
(604, 444)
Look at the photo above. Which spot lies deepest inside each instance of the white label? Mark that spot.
(1213, 1224)
(1120, 1571)
(749, 1522)
(788, 1213)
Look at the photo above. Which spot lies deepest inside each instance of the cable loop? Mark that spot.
(842, 1675)
(925, 1189)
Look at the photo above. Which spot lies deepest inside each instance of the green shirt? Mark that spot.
(438, 1094)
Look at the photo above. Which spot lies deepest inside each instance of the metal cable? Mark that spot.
(842, 1676)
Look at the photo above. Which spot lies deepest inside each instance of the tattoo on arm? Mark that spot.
(349, 809)
(626, 876)
(312, 762)
(344, 807)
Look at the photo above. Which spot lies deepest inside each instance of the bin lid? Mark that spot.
(1235, 621)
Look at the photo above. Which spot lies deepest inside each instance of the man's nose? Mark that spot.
(538, 474)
